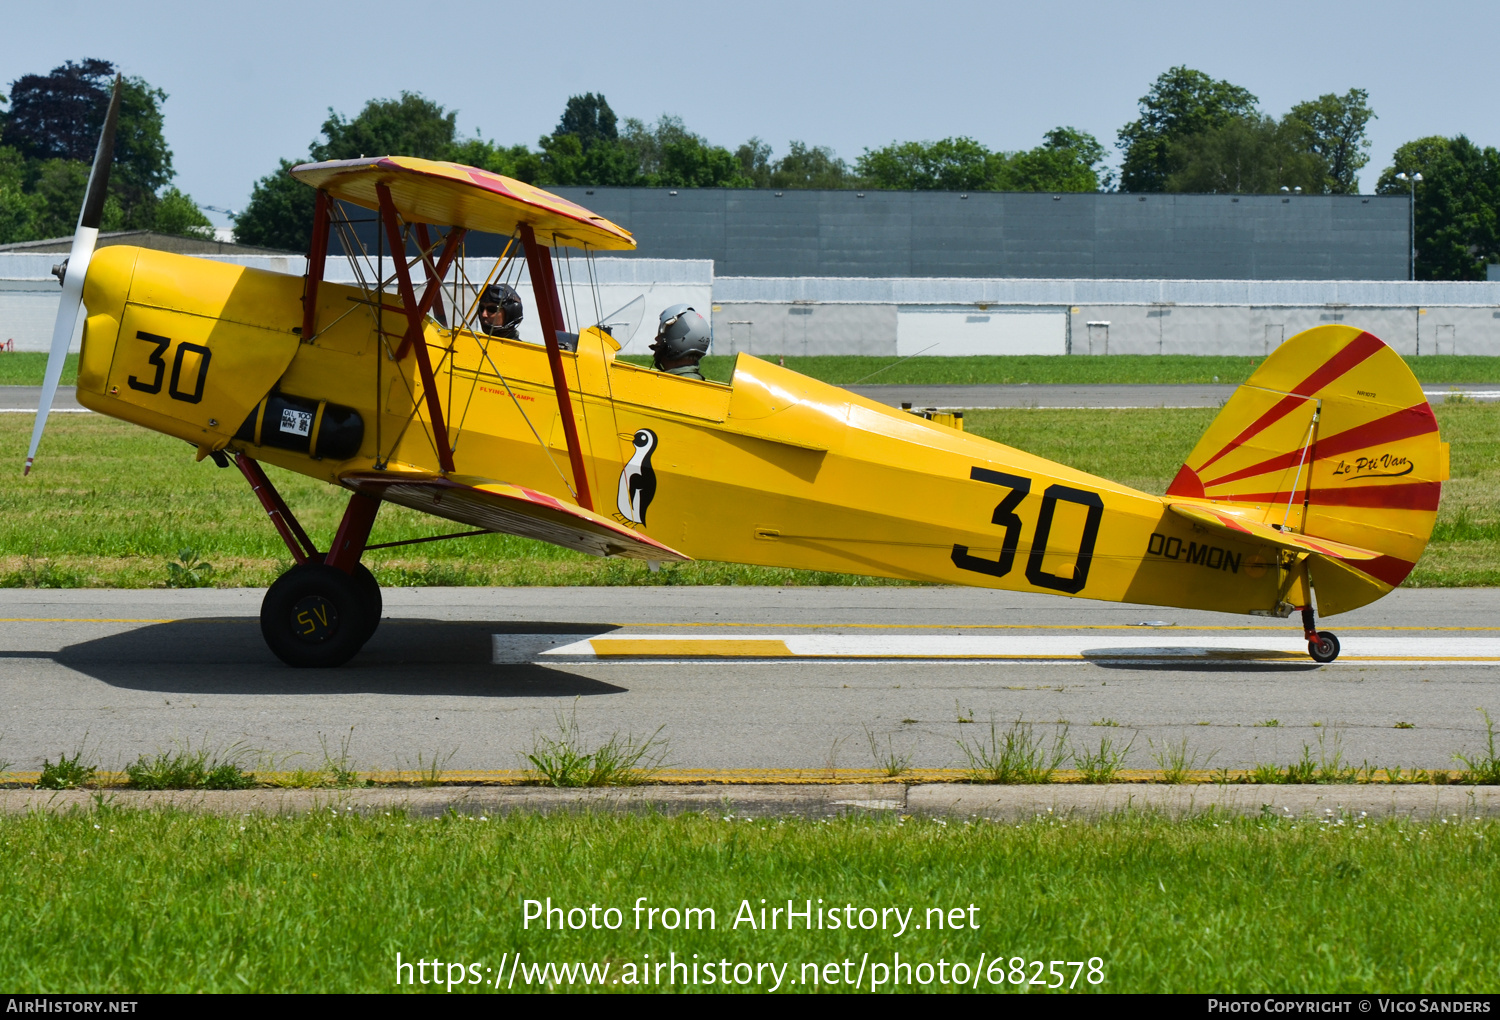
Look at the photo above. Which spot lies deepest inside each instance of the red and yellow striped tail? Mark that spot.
(1332, 438)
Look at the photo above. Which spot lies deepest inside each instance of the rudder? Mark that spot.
(1331, 437)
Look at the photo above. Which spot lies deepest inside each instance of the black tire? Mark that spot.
(370, 588)
(315, 616)
(1325, 649)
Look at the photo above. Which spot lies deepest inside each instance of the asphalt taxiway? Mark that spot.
(746, 678)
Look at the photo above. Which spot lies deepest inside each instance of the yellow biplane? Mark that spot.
(1321, 474)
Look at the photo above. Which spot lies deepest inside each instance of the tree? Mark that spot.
(810, 166)
(177, 213)
(279, 213)
(754, 158)
(667, 155)
(589, 119)
(1181, 102)
(1334, 130)
(952, 164)
(58, 116)
(1249, 155)
(1457, 205)
(1068, 160)
(409, 126)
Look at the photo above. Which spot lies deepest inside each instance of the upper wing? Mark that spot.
(451, 194)
(1242, 527)
(514, 510)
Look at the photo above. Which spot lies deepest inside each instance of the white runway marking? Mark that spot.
(621, 646)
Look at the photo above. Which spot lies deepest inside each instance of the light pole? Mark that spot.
(1412, 180)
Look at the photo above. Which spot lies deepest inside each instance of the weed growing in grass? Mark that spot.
(1174, 761)
(186, 769)
(189, 570)
(337, 769)
(565, 760)
(889, 762)
(1331, 767)
(1485, 768)
(67, 774)
(35, 573)
(1016, 756)
(430, 770)
(1262, 774)
(1101, 766)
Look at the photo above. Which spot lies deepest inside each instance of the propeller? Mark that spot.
(76, 268)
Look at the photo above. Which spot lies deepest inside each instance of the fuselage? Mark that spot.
(774, 468)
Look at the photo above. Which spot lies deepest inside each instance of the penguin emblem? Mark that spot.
(638, 480)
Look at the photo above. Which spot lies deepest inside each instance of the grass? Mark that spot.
(1175, 761)
(26, 368)
(889, 761)
(846, 370)
(567, 760)
(117, 901)
(1016, 756)
(1102, 765)
(110, 505)
(1482, 768)
(67, 774)
(186, 769)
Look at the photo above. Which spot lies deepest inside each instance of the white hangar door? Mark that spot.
(954, 331)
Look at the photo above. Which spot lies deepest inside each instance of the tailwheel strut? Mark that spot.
(1322, 645)
(321, 612)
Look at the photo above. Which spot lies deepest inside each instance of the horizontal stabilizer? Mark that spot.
(513, 510)
(1242, 527)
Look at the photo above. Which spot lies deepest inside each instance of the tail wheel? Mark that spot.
(1325, 649)
(316, 616)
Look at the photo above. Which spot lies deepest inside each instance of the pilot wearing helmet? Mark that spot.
(500, 311)
(682, 340)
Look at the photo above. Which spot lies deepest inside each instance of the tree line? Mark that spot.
(1194, 134)
(47, 141)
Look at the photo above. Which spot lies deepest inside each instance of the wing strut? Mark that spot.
(415, 312)
(549, 310)
(317, 260)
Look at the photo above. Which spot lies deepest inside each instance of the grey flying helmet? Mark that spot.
(682, 332)
(504, 295)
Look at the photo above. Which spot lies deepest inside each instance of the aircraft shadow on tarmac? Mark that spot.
(408, 657)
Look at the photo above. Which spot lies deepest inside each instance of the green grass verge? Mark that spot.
(26, 368)
(117, 901)
(846, 370)
(114, 506)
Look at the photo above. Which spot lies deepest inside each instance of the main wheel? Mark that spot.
(1325, 649)
(370, 588)
(316, 616)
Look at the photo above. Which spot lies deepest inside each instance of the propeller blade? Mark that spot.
(77, 267)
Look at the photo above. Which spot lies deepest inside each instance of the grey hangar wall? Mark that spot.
(748, 232)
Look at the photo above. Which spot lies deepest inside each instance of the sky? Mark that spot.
(250, 83)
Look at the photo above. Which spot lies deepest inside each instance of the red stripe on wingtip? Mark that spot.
(1417, 420)
(1351, 354)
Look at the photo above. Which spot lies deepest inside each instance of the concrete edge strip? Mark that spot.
(1335, 805)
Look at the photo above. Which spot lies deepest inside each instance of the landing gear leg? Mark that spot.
(1322, 645)
(321, 612)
